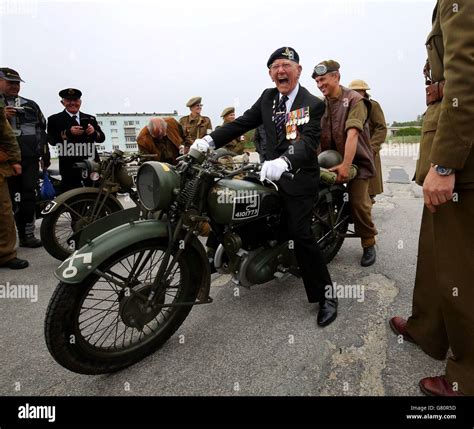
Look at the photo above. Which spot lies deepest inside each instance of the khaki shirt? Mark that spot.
(356, 117)
(9, 148)
(195, 128)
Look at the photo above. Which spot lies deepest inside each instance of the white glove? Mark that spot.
(203, 144)
(272, 170)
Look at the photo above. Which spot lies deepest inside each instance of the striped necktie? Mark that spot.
(279, 116)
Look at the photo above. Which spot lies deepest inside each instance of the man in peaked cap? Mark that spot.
(236, 145)
(378, 132)
(194, 125)
(289, 151)
(345, 128)
(29, 127)
(72, 129)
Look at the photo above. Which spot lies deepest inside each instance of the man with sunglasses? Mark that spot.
(291, 118)
(194, 125)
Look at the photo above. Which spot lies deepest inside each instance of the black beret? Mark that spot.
(284, 53)
(71, 93)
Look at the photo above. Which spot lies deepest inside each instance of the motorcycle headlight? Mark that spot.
(156, 182)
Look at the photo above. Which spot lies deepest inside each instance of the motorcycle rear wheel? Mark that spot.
(57, 227)
(331, 219)
(88, 326)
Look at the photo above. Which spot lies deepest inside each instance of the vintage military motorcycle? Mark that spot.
(66, 216)
(125, 292)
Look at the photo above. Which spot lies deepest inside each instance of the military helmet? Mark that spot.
(329, 158)
(359, 84)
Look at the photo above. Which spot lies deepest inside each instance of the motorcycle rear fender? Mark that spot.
(53, 205)
(84, 261)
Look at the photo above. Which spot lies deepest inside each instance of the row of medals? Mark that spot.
(295, 118)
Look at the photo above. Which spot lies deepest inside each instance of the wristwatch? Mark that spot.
(443, 171)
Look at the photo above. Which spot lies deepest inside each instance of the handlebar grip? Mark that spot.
(287, 175)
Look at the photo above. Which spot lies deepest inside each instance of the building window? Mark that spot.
(130, 146)
(115, 146)
(114, 139)
(113, 130)
(128, 123)
(113, 122)
(130, 138)
(99, 122)
(137, 122)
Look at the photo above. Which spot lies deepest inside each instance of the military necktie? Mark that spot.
(279, 116)
(75, 119)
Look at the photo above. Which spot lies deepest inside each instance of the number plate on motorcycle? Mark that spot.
(246, 207)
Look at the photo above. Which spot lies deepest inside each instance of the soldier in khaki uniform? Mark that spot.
(236, 145)
(345, 128)
(378, 133)
(10, 158)
(194, 125)
(443, 299)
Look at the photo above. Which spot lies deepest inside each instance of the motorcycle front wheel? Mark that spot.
(99, 327)
(75, 214)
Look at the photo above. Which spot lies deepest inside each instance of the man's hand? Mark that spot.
(437, 189)
(90, 130)
(16, 169)
(272, 170)
(10, 112)
(76, 130)
(342, 171)
(200, 145)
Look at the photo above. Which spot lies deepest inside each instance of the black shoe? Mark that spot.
(368, 258)
(15, 264)
(30, 241)
(327, 311)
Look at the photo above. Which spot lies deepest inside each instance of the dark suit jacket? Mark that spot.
(59, 126)
(301, 152)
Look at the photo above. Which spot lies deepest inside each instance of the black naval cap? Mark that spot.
(70, 93)
(285, 53)
(324, 67)
(10, 75)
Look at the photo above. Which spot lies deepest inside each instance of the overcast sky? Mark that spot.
(145, 56)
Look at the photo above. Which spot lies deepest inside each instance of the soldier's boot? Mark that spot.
(29, 240)
(26, 235)
(15, 264)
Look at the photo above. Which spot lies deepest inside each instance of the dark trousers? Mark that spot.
(23, 195)
(313, 269)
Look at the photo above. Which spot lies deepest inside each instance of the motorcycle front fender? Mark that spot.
(85, 260)
(54, 205)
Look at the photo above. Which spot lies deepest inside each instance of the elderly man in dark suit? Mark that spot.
(290, 147)
(74, 134)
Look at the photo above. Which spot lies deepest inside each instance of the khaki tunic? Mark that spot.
(237, 145)
(195, 128)
(9, 154)
(443, 298)
(378, 133)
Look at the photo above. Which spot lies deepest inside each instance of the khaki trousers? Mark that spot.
(7, 224)
(443, 298)
(361, 211)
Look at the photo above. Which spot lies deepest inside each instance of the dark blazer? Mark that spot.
(301, 151)
(59, 126)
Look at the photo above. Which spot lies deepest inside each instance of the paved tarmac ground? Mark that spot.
(264, 341)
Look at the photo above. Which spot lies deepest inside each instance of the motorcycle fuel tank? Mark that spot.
(235, 201)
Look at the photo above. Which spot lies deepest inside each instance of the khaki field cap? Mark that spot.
(10, 75)
(325, 67)
(359, 84)
(227, 110)
(193, 101)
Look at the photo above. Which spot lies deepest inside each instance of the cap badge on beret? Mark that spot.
(289, 53)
